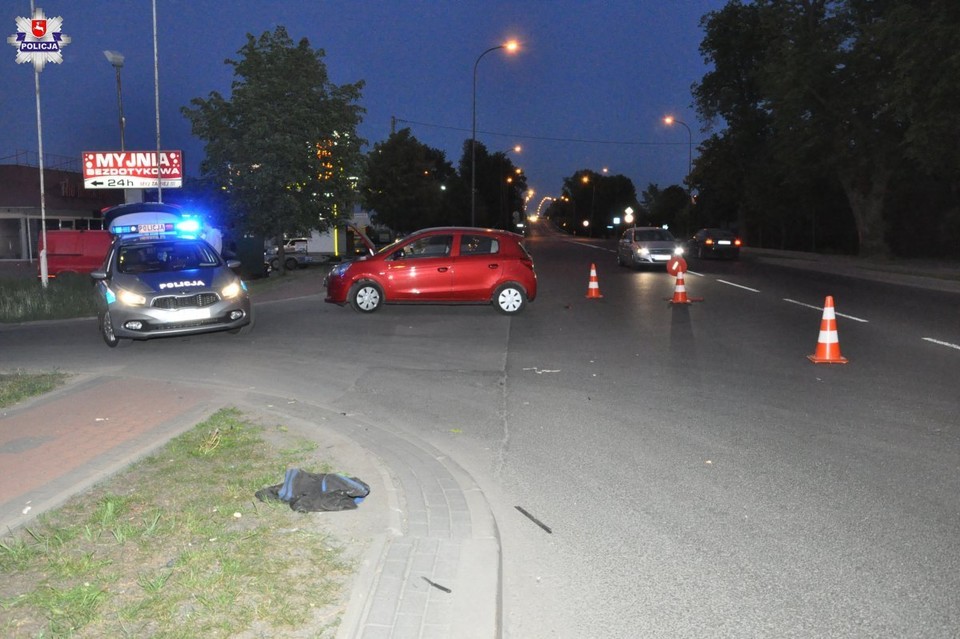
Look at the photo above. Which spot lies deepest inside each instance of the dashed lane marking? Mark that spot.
(819, 308)
(940, 343)
(746, 288)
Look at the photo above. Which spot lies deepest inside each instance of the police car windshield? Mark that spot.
(164, 256)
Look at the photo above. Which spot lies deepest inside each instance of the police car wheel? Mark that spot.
(106, 331)
(366, 297)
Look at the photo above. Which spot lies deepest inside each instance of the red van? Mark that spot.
(75, 251)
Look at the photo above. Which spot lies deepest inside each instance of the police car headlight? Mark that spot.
(130, 299)
(231, 290)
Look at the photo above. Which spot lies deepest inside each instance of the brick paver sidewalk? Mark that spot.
(58, 444)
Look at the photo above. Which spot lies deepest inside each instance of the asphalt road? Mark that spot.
(698, 475)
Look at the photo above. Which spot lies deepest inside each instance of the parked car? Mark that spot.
(714, 243)
(447, 265)
(646, 246)
(294, 256)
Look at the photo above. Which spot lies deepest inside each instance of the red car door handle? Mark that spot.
(442, 269)
(493, 266)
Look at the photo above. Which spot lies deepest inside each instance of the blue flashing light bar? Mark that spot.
(185, 228)
(188, 226)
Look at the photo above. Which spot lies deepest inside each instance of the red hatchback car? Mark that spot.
(446, 265)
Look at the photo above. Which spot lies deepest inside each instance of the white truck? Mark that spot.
(333, 245)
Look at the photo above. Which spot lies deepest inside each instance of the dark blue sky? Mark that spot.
(588, 89)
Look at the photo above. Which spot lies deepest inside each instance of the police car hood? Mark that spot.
(182, 282)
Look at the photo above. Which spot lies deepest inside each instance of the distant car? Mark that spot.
(156, 282)
(646, 246)
(714, 243)
(447, 265)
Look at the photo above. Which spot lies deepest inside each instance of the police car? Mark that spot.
(159, 278)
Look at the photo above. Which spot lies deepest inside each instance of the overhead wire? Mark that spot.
(539, 137)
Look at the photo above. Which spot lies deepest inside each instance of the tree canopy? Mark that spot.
(283, 146)
(596, 198)
(820, 97)
(500, 186)
(410, 185)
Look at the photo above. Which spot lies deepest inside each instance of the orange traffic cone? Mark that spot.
(593, 289)
(828, 345)
(680, 293)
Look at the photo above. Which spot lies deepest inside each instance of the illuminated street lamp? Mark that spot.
(669, 121)
(116, 59)
(510, 46)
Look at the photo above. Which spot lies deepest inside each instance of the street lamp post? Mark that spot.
(116, 59)
(504, 219)
(511, 46)
(670, 120)
(593, 194)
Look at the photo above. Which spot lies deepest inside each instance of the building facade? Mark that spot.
(67, 205)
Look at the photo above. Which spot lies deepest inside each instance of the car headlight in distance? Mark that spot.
(130, 299)
(678, 250)
(643, 250)
(231, 290)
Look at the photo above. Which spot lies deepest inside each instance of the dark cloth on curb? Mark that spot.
(314, 492)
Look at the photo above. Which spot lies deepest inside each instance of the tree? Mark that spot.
(284, 146)
(735, 172)
(666, 207)
(808, 83)
(597, 198)
(925, 37)
(409, 185)
(499, 185)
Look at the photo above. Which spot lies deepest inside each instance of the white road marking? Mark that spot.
(849, 317)
(746, 288)
(599, 248)
(936, 341)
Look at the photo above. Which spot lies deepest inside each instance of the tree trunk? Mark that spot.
(866, 196)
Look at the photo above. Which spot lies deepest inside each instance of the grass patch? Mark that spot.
(18, 386)
(65, 297)
(178, 546)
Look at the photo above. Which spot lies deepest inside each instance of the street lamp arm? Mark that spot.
(477, 63)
